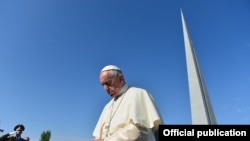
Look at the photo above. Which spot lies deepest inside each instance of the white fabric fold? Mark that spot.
(137, 108)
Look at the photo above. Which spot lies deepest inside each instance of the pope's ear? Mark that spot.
(120, 77)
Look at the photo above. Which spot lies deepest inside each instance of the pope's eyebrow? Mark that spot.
(108, 82)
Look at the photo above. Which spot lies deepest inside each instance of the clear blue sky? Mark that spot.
(51, 53)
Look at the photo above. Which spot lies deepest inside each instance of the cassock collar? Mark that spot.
(123, 90)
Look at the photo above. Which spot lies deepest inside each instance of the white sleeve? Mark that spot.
(12, 133)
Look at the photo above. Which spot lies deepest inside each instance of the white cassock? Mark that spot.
(132, 117)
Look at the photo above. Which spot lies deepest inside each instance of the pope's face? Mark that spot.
(111, 84)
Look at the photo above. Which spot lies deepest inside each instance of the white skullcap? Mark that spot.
(110, 67)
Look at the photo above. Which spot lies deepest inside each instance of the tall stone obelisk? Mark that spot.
(201, 108)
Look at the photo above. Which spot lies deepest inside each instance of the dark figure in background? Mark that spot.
(14, 136)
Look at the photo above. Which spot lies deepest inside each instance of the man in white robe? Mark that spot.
(131, 114)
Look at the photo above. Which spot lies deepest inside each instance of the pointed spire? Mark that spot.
(201, 108)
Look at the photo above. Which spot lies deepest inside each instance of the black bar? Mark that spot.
(204, 132)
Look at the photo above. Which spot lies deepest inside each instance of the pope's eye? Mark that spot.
(107, 83)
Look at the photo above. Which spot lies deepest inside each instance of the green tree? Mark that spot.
(45, 136)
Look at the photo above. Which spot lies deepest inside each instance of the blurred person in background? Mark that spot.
(15, 135)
